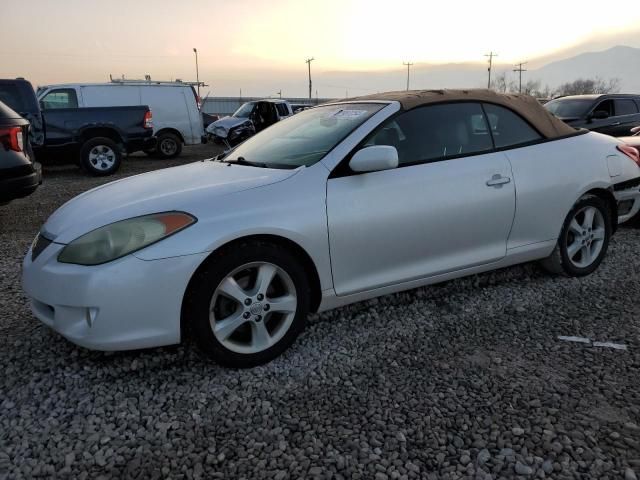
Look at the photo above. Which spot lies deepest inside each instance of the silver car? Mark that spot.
(337, 204)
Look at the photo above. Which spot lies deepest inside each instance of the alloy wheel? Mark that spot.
(102, 157)
(586, 236)
(253, 307)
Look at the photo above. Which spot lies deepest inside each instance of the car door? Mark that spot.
(58, 126)
(608, 125)
(448, 206)
(626, 116)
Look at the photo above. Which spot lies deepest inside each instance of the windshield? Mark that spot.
(569, 108)
(304, 138)
(245, 110)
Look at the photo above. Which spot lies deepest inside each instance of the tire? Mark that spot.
(100, 156)
(582, 244)
(214, 300)
(168, 146)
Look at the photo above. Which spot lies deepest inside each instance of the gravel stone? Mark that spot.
(522, 469)
(461, 380)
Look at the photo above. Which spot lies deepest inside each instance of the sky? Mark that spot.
(261, 45)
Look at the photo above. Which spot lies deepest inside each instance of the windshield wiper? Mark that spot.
(243, 161)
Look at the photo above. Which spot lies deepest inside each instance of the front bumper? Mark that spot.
(122, 305)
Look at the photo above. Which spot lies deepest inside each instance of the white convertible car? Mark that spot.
(340, 203)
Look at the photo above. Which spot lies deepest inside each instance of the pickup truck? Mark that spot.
(96, 138)
(249, 119)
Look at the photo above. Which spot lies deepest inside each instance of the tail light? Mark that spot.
(148, 120)
(630, 152)
(12, 138)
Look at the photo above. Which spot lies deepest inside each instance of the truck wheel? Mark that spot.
(100, 156)
(168, 146)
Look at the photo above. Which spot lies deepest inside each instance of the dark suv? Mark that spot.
(613, 114)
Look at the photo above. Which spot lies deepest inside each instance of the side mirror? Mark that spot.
(600, 115)
(375, 158)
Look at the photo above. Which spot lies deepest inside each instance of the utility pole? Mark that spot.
(280, 93)
(408, 64)
(520, 70)
(195, 50)
(308, 62)
(490, 55)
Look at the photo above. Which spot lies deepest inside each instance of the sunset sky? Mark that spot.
(243, 41)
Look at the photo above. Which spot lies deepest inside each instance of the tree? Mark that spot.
(584, 86)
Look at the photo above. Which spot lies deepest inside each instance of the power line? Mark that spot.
(308, 62)
(490, 55)
(408, 64)
(520, 70)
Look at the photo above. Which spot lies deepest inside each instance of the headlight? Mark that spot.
(220, 132)
(118, 239)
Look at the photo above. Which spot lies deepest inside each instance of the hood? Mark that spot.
(192, 188)
(227, 122)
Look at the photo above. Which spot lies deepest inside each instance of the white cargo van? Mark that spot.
(175, 107)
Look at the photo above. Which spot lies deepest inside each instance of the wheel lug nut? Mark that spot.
(247, 301)
(267, 307)
(260, 297)
(246, 314)
(258, 318)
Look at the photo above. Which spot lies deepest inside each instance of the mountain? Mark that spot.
(616, 62)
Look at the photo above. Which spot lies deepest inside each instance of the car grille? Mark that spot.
(39, 244)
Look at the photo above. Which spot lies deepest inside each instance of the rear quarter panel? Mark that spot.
(550, 177)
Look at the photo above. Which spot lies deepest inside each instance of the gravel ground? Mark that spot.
(466, 379)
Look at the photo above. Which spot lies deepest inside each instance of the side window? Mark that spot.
(606, 106)
(625, 106)
(435, 132)
(60, 98)
(282, 109)
(509, 128)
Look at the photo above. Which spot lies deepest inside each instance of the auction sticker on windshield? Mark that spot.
(347, 113)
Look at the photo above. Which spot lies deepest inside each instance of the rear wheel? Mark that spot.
(168, 146)
(584, 239)
(249, 305)
(100, 156)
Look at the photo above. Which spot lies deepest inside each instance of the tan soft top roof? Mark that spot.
(527, 106)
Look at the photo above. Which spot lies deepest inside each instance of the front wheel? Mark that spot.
(249, 304)
(584, 239)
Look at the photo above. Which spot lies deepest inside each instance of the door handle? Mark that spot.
(616, 124)
(497, 181)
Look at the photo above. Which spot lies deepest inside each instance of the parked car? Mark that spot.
(208, 119)
(250, 118)
(611, 114)
(175, 106)
(95, 137)
(20, 175)
(337, 204)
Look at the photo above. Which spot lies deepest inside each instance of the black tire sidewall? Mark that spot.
(219, 266)
(168, 137)
(568, 267)
(94, 142)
